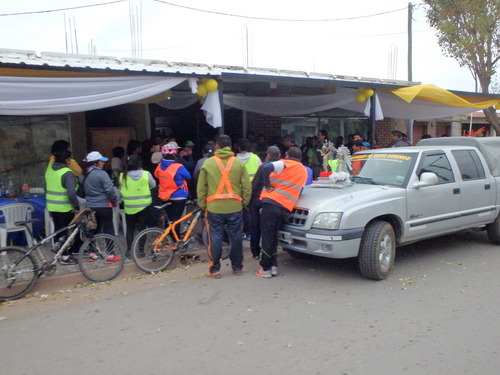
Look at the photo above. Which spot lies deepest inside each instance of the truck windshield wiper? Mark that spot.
(363, 180)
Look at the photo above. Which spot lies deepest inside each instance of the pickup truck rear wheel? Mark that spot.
(377, 250)
(493, 231)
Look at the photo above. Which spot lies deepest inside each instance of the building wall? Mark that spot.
(268, 125)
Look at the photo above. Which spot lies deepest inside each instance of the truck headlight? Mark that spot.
(327, 220)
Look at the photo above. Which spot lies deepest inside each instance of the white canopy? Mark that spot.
(44, 95)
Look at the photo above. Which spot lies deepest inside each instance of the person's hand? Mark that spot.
(269, 188)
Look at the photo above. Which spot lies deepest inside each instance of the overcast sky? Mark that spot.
(347, 44)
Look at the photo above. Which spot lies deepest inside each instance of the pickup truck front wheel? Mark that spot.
(377, 250)
(493, 231)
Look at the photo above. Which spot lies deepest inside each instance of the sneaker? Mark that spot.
(68, 260)
(247, 237)
(113, 258)
(215, 275)
(265, 274)
(256, 257)
(92, 257)
(274, 271)
(238, 272)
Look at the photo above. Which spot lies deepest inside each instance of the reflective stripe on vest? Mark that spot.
(252, 165)
(356, 167)
(224, 181)
(135, 194)
(288, 186)
(167, 184)
(56, 194)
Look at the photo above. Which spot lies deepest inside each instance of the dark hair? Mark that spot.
(358, 143)
(294, 153)
(134, 163)
(132, 146)
(59, 145)
(61, 156)
(397, 133)
(323, 132)
(274, 153)
(118, 152)
(244, 144)
(223, 141)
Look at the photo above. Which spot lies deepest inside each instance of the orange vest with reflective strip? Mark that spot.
(356, 167)
(287, 185)
(167, 183)
(224, 183)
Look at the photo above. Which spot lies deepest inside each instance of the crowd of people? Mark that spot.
(247, 189)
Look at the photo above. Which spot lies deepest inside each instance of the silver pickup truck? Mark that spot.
(399, 196)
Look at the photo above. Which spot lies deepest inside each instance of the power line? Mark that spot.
(60, 9)
(279, 19)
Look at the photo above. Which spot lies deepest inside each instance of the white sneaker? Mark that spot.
(274, 271)
(265, 274)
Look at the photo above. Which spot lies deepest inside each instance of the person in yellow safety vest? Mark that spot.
(173, 178)
(135, 185)
(62, 145)
(252, 163)
(223, 190)
(283, 182)
(61, 198)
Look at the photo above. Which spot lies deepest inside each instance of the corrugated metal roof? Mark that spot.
(87, 63)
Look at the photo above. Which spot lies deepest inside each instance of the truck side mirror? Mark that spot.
(426, 179)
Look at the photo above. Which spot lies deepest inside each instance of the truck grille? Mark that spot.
(298, 216)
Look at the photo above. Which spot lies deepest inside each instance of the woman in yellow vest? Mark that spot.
(60, 187)
(135, 189)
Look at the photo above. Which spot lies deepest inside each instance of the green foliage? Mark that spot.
(469, 32)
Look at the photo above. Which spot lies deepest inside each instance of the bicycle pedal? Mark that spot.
(182, 246)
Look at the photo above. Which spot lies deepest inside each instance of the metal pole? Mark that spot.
(410, 12)
(221, 100)
(372, 120)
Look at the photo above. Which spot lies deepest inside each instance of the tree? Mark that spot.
(469, 32)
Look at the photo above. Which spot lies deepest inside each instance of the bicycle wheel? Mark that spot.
(101, 258)
(18, 273)
(144, 254)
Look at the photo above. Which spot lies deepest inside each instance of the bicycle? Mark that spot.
(100, 257)
(153, 248)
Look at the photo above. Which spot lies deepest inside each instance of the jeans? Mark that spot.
(216, 224)
(271, 219)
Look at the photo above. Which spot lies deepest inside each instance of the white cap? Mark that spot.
(95, 156)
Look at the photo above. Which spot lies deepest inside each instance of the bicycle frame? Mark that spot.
(171, 229)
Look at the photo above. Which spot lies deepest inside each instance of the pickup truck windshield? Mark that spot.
(382, 169)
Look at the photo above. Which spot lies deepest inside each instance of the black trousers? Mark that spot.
(254, 209)
(104, 218)
(271, 219)
(137, 221)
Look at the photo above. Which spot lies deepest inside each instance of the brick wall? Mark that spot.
(383, 131)
(268, 125)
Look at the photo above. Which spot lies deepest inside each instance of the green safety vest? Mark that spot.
(136, 194)
(252, 165)
(56, 195)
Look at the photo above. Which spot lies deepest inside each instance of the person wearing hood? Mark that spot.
(135, 189)
(223, 190)
(173, 180)
(252, 163)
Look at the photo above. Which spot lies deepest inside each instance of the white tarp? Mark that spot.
(41, 96)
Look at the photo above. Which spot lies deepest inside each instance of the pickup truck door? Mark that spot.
(433, 210)
(477, 189)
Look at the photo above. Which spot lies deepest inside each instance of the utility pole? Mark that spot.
(410, 13)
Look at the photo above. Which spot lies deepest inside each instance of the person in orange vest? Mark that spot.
(223, 190)
(283, 183)
(173, 180)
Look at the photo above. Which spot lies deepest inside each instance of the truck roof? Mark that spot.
(488, 146)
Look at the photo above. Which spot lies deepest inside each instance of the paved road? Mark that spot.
(437, 313)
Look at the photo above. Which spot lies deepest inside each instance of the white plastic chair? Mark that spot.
(11, 213)
(49, 224)
(119, 214)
